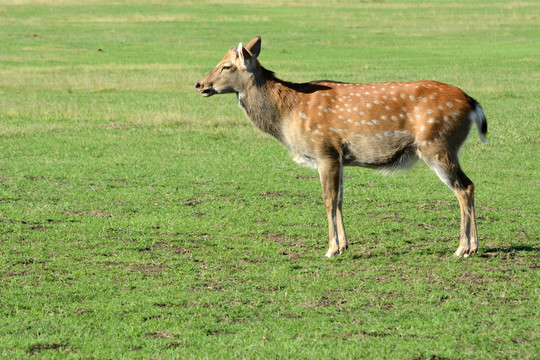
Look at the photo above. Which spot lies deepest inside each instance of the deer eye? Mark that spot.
(225, 68)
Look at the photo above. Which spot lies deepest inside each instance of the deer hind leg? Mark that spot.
(331, 174)
(449, 171)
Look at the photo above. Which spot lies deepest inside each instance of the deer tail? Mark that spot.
(477, 115)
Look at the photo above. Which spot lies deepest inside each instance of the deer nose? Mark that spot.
(197, 85)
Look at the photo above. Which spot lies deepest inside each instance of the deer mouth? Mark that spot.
(208, 92)
(205, 90)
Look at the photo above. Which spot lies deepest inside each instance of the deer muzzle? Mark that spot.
(205, 90)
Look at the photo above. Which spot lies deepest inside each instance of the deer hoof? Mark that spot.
(460, 252)
(464, 252)
(331, 252)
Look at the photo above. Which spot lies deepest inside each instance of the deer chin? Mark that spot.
(208, 92)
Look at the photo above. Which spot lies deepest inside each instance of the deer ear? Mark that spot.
(254, 46)
(240, 52)
(245, 58)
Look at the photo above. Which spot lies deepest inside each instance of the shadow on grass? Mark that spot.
(488, 252)
(493, 251)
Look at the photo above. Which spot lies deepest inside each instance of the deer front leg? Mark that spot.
(343, 241)
(331, 173)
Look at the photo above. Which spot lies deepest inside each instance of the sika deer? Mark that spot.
(328, 125)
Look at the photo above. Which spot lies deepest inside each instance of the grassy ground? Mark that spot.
(138, 220)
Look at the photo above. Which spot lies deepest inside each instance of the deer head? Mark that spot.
(232, 74)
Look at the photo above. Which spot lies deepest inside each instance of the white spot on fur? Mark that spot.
(303, 116)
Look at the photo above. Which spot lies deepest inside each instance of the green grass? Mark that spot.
(139, 220)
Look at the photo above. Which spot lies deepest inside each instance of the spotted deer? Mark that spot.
(328, 125)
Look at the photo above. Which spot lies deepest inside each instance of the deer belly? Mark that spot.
(385, 151)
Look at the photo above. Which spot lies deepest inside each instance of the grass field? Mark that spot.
(139, 220)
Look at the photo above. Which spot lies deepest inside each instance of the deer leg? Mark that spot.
(464, 191)
(330, 173)
(451, 174)
(343, 241)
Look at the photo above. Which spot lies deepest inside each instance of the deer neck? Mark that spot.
(267, 101)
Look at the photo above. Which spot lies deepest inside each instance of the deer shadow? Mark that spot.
(508, 250)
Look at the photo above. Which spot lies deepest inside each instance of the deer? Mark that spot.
(328, 125)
